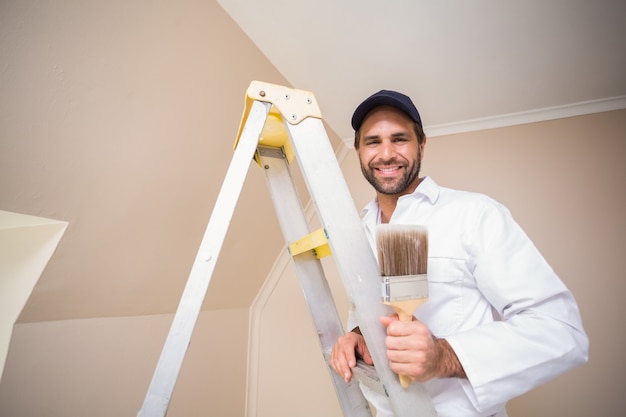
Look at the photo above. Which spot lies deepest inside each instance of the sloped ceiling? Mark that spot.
(459, 61)
(110, 122)
(120, 119)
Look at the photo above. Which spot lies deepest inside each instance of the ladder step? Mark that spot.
(367, 375)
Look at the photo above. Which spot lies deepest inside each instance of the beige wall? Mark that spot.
(116, 115)
(101, 367)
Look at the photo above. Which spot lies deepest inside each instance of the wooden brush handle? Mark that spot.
(405, 310)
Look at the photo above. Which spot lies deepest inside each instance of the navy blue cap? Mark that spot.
(385, 98)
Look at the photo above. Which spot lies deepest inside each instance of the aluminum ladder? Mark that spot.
(280, 125)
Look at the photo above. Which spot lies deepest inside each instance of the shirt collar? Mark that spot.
(428, 189)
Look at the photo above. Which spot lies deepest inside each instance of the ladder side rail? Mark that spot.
(317, 293)
(353, 256)
(168, 367)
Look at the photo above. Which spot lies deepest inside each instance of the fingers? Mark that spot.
(364, 352)
(397, 328)
(387, 320)
(343, 355)
(409, 348)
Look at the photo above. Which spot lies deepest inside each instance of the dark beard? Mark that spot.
(401, 186)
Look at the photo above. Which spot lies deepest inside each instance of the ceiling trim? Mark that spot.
(531, 116)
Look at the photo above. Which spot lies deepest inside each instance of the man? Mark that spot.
(498, 321)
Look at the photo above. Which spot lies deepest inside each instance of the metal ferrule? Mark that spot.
(404, 287)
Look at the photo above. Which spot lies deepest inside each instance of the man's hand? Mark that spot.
(413, 351)
(345, 352)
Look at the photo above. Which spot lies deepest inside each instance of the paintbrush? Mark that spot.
(403, 262)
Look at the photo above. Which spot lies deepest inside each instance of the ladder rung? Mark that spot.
(316, 241)
(366, 374)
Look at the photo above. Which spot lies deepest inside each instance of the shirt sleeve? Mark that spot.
(540, 334)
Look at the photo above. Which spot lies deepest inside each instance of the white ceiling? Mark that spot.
(459, 61)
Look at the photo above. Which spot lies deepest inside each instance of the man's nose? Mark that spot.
(386, 150)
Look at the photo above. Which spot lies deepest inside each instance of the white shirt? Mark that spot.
(510, 320)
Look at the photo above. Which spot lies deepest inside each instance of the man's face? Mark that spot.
(389, 152)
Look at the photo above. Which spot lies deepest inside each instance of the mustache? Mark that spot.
(387, 163)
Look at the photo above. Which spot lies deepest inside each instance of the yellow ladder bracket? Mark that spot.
(316, 241)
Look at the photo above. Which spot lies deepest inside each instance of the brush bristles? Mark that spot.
(402, 249)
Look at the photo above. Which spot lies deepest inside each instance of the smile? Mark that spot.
(388, 170)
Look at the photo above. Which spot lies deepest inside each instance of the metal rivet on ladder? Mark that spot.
(262, 93)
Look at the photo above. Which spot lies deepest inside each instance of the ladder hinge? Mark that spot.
(294, 105)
